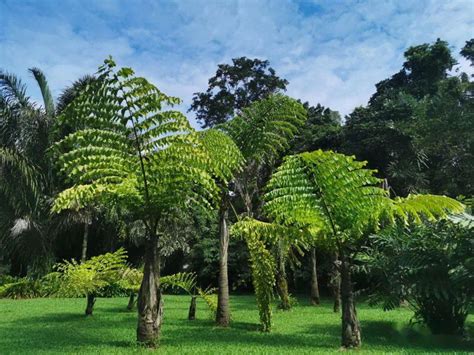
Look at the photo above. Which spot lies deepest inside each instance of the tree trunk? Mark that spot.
(282, 289)
(150, 301)
(90, 304)
(282, 284)
(314, 279)
(223, 312)
(351, 334)
(192, 309)
(131, 301)
(85, 238)
(335, 282)
(90, 298)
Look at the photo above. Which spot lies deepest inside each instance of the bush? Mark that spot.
(431, 267)
(22, 288)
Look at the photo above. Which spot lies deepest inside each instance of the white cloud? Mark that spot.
(331, 52)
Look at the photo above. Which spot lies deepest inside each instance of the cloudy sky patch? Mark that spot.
(332, 52)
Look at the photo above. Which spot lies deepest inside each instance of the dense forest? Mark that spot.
(109, 168)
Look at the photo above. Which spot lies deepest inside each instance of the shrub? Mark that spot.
(431, 267)
(22, 288)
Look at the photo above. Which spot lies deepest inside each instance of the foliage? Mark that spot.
(22, 288)
(233, 88)
(417, 128)
(209, 296)
(258, 235)
(90, 276)
(133, 153)
(430, 267)
(335, 195)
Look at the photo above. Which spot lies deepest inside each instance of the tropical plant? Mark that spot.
(135, 154)
(261, 132)
(260, 236)
(88, 277)
(25, 176)
(429, 266)
(342, 203)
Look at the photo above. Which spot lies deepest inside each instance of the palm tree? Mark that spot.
(25, 172)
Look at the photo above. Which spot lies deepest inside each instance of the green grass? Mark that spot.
(58, 326)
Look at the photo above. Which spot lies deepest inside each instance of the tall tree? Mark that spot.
(417, 127)
(261, 132)
(233, 88)
(135, 154)
(26, 231)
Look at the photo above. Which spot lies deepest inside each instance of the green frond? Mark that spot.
(25, 170)
(224, 157)
(182, 280)
(419, 207)
(265, 129)
(45, 91)
(338, 196)
(133, 149)
(87, 277)
(12, 90)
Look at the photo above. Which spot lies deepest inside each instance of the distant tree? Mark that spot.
(417, 128)
(468, 51)
(234, 87)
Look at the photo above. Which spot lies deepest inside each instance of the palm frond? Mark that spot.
(48, 100)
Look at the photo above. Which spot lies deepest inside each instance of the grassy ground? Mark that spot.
(58, 326)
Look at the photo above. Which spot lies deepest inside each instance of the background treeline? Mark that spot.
(417, 130)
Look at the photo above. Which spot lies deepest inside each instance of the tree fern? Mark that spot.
(135, 152)
(336, 195)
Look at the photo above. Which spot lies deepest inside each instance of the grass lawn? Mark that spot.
(58, 326)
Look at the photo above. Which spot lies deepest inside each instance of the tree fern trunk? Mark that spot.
(314, 279)
(351, 334)
(150, 302)
(131, 301)
(85, 239)
(192, 309)
(90, 305)
(90, 298)
(282, 285)
(223, 312)
(335, 281)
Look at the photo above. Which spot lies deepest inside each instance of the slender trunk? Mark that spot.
(90, 297)
(131, 301)
(192, 309)
(150, 301)
(351, 334)
(223, 312)
(314, 279)
(85, 238)
(90, 304)
(282, 285)
(335, 282)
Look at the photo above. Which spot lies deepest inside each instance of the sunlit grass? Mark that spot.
(59, 326)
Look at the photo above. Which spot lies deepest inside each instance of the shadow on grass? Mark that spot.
(387, 333)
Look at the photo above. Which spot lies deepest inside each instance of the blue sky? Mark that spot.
(332, 52)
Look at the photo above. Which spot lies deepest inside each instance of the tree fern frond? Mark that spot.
(182, 280)
(265, 129)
